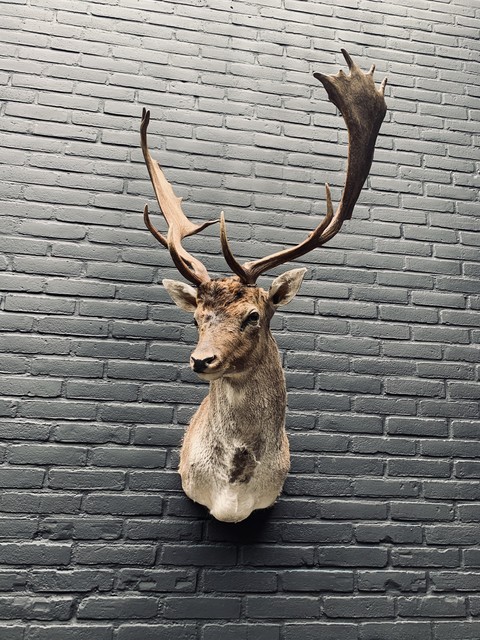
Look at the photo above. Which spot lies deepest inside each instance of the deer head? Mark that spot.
(233, 321)
(233, 317)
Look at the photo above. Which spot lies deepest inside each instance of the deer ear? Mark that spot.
(285, 287)
(182, 294)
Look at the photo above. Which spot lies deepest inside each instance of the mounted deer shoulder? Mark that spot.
(235, 454)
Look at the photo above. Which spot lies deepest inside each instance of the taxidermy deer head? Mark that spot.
(235, 454)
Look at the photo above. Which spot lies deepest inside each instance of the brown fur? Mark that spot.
(235, 453)
(239, 427)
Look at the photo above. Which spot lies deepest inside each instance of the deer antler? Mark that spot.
(179, 225)
(363, 108)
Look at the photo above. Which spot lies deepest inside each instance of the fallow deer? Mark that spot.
(235, 454)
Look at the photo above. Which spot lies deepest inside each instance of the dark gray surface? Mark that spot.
(376, 535)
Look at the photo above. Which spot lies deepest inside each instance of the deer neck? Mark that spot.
(252, 400)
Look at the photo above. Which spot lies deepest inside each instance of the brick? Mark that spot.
(47, 580)
(13, 364)
(129, 457)
(75, 479)
(326, 631)
(36, 608)
(16, 322)
(141, 555)
(157, 435)
(388, 488)
(464, 534)
(419, 468)
(421, 557)
(317, 532)
(204, 607)
(25, 502)
(349, 510)
(117, 608)
(198, 555)
(314, 580)
(414, 386)
(73, 326)
(126, 504)
(17, 477)
(18, 527)
(88, 432)
(389, 406)
(359, 607)
(69, 632)
(462, 428)
(65, 528)
(431, 298)
(135, 413)
(432, 606)
(60, 367)
(10, 632)
(413, 350)
(241, 631)
(154, 480)
(450, 581)
(30, 304)
(352, 556)
(15, 430)
(394, 533)
(162, 580)
(458, 630)
(467, 469)
(31, 387)
(278, 556)
(450, 490)
(348, 424)
(421, 511)
(457, 448)
(47, 454)
(317, 486)
(10, 580)
(402, 581)
(448, 409)
(349, 466)
(396, 630)
(444, 370)
(52, 266)
(376, 444)
(29, 553)
(72, 287)
(157, 632)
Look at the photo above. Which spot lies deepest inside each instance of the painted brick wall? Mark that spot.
(377, 535)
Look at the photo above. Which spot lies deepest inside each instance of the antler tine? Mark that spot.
(235, 266)
(170, 205)
(153, 230)
(255, 268)
(363, 108)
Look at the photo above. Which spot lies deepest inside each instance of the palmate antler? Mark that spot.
(363, 108)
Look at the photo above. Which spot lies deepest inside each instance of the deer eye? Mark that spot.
(251, 319)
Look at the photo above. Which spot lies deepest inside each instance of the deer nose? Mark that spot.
(200, 364)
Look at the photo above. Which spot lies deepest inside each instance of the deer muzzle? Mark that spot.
(201, 363)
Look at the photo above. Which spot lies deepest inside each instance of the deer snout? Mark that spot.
(200, 364)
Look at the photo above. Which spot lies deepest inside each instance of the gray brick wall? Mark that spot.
(377, 534)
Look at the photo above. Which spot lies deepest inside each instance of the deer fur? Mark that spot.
(235, 453)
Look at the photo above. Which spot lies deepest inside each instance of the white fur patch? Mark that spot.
(229, 506)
